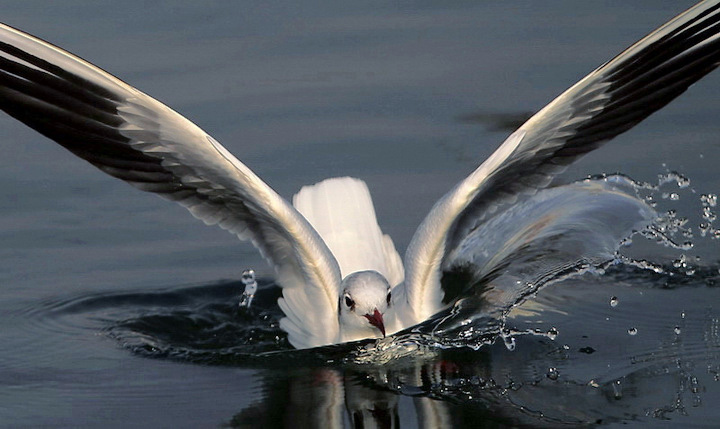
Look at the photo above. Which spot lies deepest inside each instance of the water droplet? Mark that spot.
(673, 176)
(694, 385)
(617, 389)
(552, 373)
(677, 330)
(552, 333)
(248, 279)
(614, 301)
(509, 343)
(709, 200)
(681, 262)
(632, 331)
(709, 214)
(704, 228)
(248, 276)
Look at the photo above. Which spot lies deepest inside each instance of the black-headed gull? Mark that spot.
(342, 278)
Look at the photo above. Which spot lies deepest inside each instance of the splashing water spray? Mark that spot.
(248, 279)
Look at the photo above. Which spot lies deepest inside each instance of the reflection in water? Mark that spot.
(357, 397)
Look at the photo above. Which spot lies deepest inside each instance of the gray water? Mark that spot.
(118, 309)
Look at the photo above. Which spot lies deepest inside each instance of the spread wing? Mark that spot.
(134, 137)
(610, 100)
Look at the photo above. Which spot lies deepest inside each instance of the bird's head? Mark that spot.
(364, 299)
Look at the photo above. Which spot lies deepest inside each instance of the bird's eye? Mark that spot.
(349, 302)
(389, 298)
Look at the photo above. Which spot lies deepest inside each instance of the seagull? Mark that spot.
(342, 279)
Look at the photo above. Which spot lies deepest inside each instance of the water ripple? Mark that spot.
(569, 341)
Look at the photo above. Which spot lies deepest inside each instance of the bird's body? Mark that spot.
(341, 211)
(342, 278)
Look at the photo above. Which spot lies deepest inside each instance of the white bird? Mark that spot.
(342, 278)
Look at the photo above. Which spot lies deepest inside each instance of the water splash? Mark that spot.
(553, 333)
(248, 279)
(552, 373)
(509, 342)
(709, 200)
(617, 389)
(678, 179)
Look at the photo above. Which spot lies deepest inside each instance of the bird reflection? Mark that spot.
(338, 398)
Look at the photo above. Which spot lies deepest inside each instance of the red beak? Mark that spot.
(377, 321)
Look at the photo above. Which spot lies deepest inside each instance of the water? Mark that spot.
(119, 309)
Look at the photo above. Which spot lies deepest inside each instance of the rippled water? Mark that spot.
(118, 309)
(626, 360)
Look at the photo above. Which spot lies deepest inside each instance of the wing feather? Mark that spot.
(133, 137)
(610, 100)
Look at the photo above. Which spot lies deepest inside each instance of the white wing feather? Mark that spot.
(134, 137)
(609, 101)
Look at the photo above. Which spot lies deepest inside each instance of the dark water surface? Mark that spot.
(118, 309)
